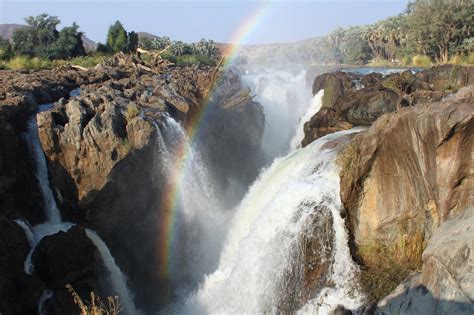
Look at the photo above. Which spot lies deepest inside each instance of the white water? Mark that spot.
(54, 223)
(312, 109)
(262, 242)
(285, 98)
(47, 294)
(199, 225)
(51, 210)
(118, 279)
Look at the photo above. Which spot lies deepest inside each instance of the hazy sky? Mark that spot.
(282, 20)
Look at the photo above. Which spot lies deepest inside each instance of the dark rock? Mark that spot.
(67, 258)
(20, 292)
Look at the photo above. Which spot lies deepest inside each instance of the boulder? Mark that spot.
(20, 292)
(67, 258)
(411, 170)
(378, 95)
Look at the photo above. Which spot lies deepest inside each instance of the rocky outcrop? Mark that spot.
(354, 100)
(401, 179)
(20, 292)
(67, 258)
(445, 284)
(411, 170)
(102, 151)
(20, 94)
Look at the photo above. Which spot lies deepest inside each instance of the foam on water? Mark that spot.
(263, 238)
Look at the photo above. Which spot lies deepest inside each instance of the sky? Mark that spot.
(190, 20)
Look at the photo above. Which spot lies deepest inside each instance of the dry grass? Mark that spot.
(95, 306)
(347, 158)
(132, 112)
(386, 265)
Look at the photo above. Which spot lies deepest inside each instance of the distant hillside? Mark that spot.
(146, 35)
(6, 31)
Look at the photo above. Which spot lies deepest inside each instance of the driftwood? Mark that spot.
(79, 68)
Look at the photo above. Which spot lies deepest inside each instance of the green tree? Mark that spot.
(117, 38)
(6, 51)
(440, 27)
(69, 43)
(38, 38)
(132, 41)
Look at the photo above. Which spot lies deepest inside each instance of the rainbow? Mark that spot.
(171, 197)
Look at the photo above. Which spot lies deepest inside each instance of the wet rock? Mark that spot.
(20, 292)
(379, 95)
(67, 258)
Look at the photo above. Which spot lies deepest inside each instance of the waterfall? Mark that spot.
(200, 221)
(118, 279)
(263, 238)
(52, 212)
(284, 97)
(54, 222)
(47, 294)
(312, 109)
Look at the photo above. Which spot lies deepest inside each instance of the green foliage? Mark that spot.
(440, 27)
(421, 61)
(69, 43)
(117, 38)
(41, 39)
(6, 51)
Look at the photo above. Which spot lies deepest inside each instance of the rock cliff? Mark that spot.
(405, 178)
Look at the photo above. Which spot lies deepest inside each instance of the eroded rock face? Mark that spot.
(353, 100)
(411, 170)
(103, 154)
(446, 283)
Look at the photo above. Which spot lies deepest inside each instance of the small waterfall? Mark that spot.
(27, 229)
(199, 223)
(54, 222)
(313, 108)
(284, 97)
(263, 238)
(118, 279)
(52, 212)
(47, 294)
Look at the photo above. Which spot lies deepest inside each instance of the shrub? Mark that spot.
(132, 111)
(469, 58)
(20, 62)
(386, 265)
(421, 61)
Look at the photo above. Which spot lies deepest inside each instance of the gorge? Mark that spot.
(198, 190)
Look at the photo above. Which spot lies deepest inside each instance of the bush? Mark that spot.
(132, 111)
(20, 62)
(421, 61)
(469, 58)
(386, 265)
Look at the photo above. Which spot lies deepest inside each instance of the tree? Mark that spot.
(117, 38)
(69, 43)
(38, 38)
(132, 41)
(440, 27)
(6, 51)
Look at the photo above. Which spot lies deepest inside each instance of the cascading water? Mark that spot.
(118, 279)
(54, 223)
(312, 109)
(285, 98)
(53, 215)
(262, 242)
(199, 220)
